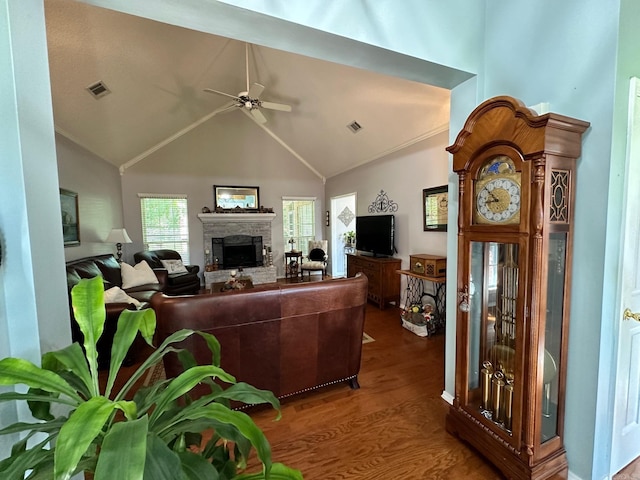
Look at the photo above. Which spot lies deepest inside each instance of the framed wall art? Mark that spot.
(226, 197)
(435, 208)
(70, 217)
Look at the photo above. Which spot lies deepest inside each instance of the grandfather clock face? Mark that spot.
(497, 193)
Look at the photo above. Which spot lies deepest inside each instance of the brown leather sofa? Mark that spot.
(286, 338)
(176, 283)
(107, 267)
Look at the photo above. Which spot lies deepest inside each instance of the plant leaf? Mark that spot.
(25, 460)
(242, 422)
(15, 371)
(87, 299)
(129, 323)
(195, 467)
(123, 451)
(83, 426)
(214, 347)
(161, 462)
(71, 359)
(183, 383)
(243, 392)
(51, 426)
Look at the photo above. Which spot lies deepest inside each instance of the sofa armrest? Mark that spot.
(162, 275)
(193, 268)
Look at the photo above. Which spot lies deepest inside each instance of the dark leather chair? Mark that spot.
(183, 283)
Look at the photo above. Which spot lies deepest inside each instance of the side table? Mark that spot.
(292, 262)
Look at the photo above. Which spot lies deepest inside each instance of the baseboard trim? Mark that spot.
(447, 397)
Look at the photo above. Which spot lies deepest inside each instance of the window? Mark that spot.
(165, 223)
(298, 222)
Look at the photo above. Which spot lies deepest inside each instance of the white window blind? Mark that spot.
(165, 223)
(298, 221)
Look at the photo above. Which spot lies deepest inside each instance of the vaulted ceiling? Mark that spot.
(157, 73)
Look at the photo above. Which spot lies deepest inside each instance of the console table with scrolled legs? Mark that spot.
(415, 291)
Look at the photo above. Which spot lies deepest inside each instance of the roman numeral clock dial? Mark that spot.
(498, 201)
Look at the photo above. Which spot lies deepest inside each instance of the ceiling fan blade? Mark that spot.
(258, 116)
(255, 90)
(211, 90)
(276, 106)
(227, 107)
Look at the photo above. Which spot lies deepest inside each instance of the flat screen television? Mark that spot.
(375, 235)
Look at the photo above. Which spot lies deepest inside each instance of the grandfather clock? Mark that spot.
(516, 175)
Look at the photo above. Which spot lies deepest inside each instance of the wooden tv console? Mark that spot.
(384, 282)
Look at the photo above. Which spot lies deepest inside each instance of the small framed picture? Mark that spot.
(70, 222)
(435, 207)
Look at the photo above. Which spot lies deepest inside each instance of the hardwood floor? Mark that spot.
(391, 428)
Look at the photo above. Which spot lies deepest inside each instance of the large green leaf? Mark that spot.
(50, 426)
(24, 460)
(243, 392)
(123, 451)
(184, 382)
(129, 323)
(83, 426)
(87, 299)
(71, 359)
(214, 347)
(15, 371)
(161, 462)
(197, 468)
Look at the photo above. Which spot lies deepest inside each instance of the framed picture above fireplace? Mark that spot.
(228, 197)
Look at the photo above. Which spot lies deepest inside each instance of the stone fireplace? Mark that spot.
(242, 236)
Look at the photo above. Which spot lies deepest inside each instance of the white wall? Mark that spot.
(208, 156)
(545, 60)
(402, 175)
(34, 313)
(97, 184)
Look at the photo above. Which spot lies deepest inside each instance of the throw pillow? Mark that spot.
(117, 295)
(174, 266)
(141, 274)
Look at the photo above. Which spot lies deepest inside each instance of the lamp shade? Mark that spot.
(118, 235)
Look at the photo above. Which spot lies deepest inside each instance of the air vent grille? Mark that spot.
(354, 126)
(98, 89)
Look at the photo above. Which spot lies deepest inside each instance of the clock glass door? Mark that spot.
(553, 334)
(493, 309)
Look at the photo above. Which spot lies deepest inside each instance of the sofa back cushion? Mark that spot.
(105, 266)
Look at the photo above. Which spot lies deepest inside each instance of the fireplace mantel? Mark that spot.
(235, 217)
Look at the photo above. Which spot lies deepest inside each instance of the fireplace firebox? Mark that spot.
(235, 251)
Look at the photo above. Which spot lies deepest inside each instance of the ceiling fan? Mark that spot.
(249, 99)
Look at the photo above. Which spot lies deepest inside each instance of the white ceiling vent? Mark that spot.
(354, 126)
(98, 90)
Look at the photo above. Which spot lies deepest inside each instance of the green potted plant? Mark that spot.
(157, 435)
(349, 238)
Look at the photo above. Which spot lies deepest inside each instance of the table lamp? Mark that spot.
(118, 236)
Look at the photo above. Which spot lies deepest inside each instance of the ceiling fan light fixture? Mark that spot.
(354, 126)
(98, 89)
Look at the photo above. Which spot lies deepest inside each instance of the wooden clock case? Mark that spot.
(514, 281)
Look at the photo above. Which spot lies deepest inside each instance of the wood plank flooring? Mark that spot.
(391, 428)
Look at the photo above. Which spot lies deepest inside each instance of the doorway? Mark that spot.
(343, 220)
